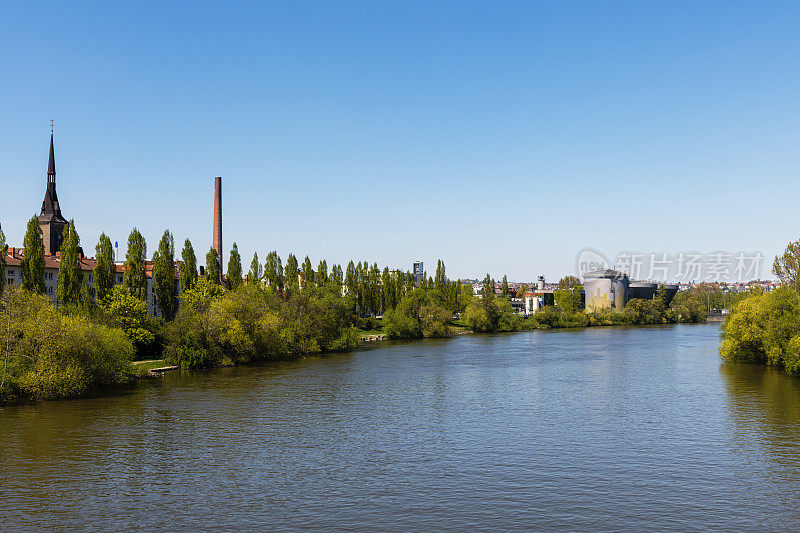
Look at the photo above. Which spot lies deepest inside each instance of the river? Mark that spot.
(595, 429)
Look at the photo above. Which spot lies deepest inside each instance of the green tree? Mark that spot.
(256, 271)
(164, 276)
(504, 286)
(568, 300)
(274, 272)
(291, 272)
(135, 278)
(787, 266)
(234, 276)
(70, 275)
(128, 312)
(188, 273)
(322, 273)
(351, 279)
(441, 279)
(337, 275)
(213, 268)
(488, 287)
(33, 258)
(104, 270)
(569, 282)
(307, 275)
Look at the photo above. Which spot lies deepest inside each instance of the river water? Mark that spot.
(595, 429)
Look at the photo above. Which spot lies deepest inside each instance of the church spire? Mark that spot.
(51, 165)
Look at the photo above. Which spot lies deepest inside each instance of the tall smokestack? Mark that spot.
(217, 244)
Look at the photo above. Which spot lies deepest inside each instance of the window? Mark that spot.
(10, 273)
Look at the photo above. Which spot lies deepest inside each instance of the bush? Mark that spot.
(53, 355)
(764, 329)
(417, 315)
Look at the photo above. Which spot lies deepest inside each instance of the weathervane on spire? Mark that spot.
(51, 126)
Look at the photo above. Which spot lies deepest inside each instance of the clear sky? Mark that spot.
(500, 137)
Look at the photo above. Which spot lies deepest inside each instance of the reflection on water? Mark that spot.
(605, 429)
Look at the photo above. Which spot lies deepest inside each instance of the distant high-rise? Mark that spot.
(418, 271)
(50, 220)
(217, 243)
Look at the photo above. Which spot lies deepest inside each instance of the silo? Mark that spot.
(605, 289)
(540, 283)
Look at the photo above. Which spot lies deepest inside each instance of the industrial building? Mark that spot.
(612, 289)
(602, 289)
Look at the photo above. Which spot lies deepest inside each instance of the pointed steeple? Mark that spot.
(50, 204)
(51, 221)
(51, 165)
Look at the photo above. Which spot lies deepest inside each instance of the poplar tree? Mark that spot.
(234, 276)
(488, 287)
(188, 272)
(70, 275)
(135, 278)
(504, 286)
(3, 249)
(104, 269)
(33, 258)
(387, 290)
(307, 274)
(273, 271)
(440, 282)
(337, 276)
(350, 280)
(254, 276)
(164, 276)
(291, 272)
(213, 270)
(322, 273)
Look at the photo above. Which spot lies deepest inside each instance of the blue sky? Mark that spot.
(500, 137)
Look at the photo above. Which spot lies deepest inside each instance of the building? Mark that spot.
(51, 221)
(52, 224)
(418, 271)
(539, 297)
(611, 289)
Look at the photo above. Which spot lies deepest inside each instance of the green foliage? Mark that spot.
(489, 315)
(70, 275)
(234, 275)
(765, 329)
(164, 276)
(33, 258)
(104, 270)
(251, 324)
(568, 300)
(213, 268)
(638, 311)
(135, 278)
(274, 272)
(417, 315)
(129, 313)
(787, 266)
(51, 355)
(188, 269)
(569, 282)
(256, 270)
(307, 274)
(291, 272)
(441, 279)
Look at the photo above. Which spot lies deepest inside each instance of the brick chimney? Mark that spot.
(217, 243)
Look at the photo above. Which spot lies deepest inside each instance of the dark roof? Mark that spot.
(51, 210)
